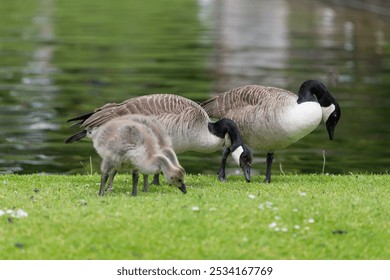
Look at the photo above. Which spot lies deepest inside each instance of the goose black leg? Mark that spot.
(270, 158)
(221, 172)
(135, 177)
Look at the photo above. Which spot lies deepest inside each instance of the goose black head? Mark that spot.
(313, 90)
(331, 112)
(331, 118)
(242, 155)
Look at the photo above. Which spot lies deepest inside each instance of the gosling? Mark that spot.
(128, 140)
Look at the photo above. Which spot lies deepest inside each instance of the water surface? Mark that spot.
(59, 59)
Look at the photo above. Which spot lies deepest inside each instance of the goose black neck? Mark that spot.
(226, 126)
(315, 91)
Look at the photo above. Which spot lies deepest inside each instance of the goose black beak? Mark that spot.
(247, 172)
(333, 120)
(183, 189)
(330, 129)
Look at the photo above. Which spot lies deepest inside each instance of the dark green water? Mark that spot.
(62, 58)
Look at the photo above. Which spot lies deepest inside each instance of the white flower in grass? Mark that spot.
(311, 221)
(15, 214)
(21, 214)
(302, 193)
(297, 227)
(195, 208)
(273, 225)
(284, 229)
(251, 196)
(261, 206)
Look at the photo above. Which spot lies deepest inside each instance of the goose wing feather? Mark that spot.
(251, 97)
(164, 106)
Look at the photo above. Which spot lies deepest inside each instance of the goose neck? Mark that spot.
(226, 126)
(313, 90)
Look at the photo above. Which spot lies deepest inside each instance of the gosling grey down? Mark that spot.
(185, 121)
(163, 140)
(128, 141)
(271, 118)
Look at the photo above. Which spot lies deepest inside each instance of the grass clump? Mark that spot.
(294, 217)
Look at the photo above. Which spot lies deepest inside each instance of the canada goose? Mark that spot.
(127, 140)
(185, 121)
(271, 118)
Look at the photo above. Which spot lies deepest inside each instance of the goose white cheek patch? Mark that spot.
(236, 154)
(326, 111)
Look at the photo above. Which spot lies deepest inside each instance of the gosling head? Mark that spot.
(242, 155)
(176, 178)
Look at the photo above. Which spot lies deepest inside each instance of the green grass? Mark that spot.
(317, 217)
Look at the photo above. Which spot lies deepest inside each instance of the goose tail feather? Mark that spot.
(76, 137)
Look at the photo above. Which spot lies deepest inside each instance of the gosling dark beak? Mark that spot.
(183, 189)
(247, 172)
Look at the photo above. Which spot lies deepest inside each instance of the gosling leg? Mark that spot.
(135, 177)
(146, 184)
(103, 181)
(156, 179)
(110, 180)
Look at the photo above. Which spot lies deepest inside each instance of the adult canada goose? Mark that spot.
(185, 121)
(129, 140)
(271, 118)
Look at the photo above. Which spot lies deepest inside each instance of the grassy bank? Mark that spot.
(295, 217)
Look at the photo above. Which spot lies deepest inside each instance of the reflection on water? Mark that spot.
(251, 42)
(59, 59)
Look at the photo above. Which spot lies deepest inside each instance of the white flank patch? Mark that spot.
(237, 153)
(326, 111)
